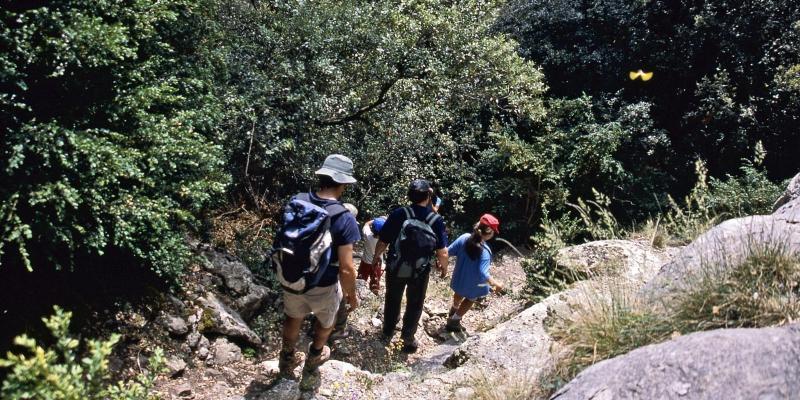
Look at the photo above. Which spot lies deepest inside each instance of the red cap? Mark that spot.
(491, 221)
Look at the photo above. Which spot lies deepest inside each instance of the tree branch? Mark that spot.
(365, 109)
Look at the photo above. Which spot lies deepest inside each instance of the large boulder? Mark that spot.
(634, 261)
(791, 194)
(219, 318)
(722, 364)
(724, 247)
(521, 346)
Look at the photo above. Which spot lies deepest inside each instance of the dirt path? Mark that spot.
(254, 376)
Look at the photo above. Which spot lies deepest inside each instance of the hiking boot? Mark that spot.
(410, 345)
(454, 325)
(311, 380)
(287, 362)
(313, 362)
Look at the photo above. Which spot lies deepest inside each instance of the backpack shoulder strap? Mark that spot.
(409, 212)
(335, 209)
(431, 218)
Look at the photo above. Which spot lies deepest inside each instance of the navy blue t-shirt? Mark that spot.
(344, 230)
(391, 228)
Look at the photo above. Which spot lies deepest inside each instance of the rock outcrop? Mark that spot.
(218, 318)
(247, 297)
(634, 261)
(728, 245)
(519, 347)
(721, 364)
(791, 194)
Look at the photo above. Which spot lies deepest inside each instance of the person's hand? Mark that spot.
(498, 288)
(352, 301)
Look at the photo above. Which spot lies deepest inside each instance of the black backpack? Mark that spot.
(301, 252)
(412, 252)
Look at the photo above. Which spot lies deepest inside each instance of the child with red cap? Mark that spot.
(471, 280)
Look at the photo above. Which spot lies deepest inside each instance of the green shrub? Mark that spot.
(747, 193)
(108, 131)
(598, 220)
(684, 222)
(58, 373)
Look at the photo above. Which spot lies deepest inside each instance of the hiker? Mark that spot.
(370, 268)
(471, 280)
(313, 256)
(418, 241)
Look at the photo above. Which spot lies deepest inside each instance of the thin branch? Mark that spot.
(363, 110)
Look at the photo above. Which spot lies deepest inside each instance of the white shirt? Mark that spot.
(370, 240)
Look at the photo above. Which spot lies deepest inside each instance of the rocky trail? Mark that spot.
(218, 361)
(217, 354)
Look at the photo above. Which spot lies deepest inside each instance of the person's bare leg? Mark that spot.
(289, 359)
(466, 304)
(322, 334)
(456, 304)
(291, 332)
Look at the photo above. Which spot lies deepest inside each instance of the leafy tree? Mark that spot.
(407, 89)
(107, 129)
(722, 70)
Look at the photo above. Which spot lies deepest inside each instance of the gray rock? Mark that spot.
(284, 389)
(249, 304)
(721, 364)
(193, 340)
(791, 193)
(175, 365)
(183, 390)
(226, 352)
(175, 325)
(203, 353)
(632, 260)
(235, 275)
(722, 248)
(218, 317)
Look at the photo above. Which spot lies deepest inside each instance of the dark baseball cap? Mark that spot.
(419, 185)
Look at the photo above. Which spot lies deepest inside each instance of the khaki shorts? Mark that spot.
(322, 301)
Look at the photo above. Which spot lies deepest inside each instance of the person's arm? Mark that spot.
(486, 277)
(380, 247)
(347, 274)
(443, 260)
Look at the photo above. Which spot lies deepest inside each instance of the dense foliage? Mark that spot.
(406, 89)
(107, 130)
(58, 373)
(725, 76)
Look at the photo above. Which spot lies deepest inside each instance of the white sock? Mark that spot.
(456, 317)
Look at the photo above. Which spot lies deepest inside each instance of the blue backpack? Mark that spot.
(301, 252)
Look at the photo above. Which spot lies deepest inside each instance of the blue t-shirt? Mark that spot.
(344, 230)
(391, 228)
(470, 277)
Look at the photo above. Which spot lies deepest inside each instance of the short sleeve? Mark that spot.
(345, 230)
(391, 228)
(457, 245)
(441, 233)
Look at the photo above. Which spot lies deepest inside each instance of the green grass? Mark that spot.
(759, 292)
